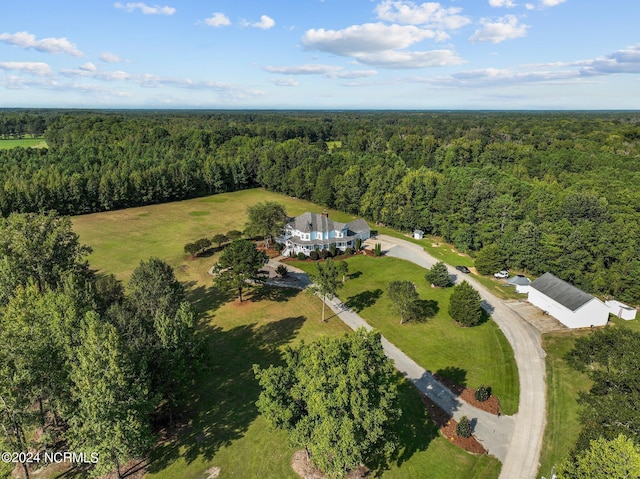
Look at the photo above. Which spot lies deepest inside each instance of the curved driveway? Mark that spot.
(521, 458)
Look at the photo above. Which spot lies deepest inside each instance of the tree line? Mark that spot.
(551, 192)
(85, 364)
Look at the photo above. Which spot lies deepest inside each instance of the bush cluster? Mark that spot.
(463, 428)
(483, 393)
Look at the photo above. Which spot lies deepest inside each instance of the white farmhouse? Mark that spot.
(571, 306)
(312, 231)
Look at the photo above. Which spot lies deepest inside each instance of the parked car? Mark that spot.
(464, 269)
(501, 274)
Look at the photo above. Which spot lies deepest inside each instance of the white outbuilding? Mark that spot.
(571, 306)
(621, 310)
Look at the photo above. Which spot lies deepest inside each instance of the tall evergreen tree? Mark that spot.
(465, 305)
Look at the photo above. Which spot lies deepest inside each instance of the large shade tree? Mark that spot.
(337, 398)
(266, 219)
(240, 265)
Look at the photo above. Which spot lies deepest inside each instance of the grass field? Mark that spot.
(563, 386)
(225, 429)
(469, 356)
(24, 143)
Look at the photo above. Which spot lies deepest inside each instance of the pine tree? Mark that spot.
(465, 305)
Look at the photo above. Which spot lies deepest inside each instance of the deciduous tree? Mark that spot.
(266, 219)
(325, 281)
(405, 300)
(337, 398)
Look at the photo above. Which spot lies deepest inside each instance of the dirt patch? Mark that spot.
(212, 473)
(302, 467)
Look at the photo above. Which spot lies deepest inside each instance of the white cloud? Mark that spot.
(367, 38)
(329, 71)
(429, 14)
(34, 68)
(218, 19)
(265, 23)
(47, 45)
(145, 9)
(108, 57)
(552, 3)
(409, 59)
(622, 61)
(502, 3)
(88, 67)
(284, 82)
(505, 28)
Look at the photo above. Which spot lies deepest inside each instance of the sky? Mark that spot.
(321, 54)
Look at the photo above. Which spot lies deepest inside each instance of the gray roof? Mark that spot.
(308, 222)
(519, 280)
(560, 291)
(358, 226)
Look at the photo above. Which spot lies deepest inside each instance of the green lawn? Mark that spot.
(469, 356)
(24, 143)
(225, 429)
(563, 386)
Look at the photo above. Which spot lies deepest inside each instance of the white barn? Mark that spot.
(621, 310)
(571, 306)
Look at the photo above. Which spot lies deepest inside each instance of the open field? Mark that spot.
(225, 429)
(24, 143)
(469, 356)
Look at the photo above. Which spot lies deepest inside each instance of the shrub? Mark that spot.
(438, 275)
(349, 251)
(463, 428)
(314, 255)
(279, 247)
(282, 271)
(302, 256)
(358, 244)
(465, 305)
(333, 250)
(377, 250)
(325, 253)
(483, 393)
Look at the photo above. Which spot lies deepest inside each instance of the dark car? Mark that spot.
(464, 269)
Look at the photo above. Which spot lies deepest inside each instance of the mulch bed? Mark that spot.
(447, 425)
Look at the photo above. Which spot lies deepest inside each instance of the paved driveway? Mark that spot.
(522, 455)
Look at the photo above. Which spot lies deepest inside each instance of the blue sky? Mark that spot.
(338, 54)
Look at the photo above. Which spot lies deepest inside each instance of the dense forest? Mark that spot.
(551, 192)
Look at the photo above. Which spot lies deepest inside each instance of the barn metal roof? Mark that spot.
(561, 292)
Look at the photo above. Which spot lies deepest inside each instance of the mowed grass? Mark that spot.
(224, 428)
(24, 143)
(122, 238)
(475, 356)
(564, 384)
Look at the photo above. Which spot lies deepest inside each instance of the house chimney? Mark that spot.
(325, 214)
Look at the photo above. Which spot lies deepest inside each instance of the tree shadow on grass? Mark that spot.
(206, 298)
(277, 294)
(222, 402)
(354, 275)
(363, 300)
(414, 430)
(454, 378)
(428, 308)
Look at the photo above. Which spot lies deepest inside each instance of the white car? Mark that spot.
(501, 274)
